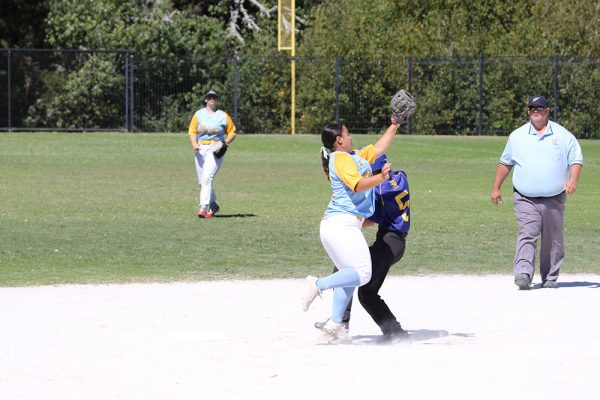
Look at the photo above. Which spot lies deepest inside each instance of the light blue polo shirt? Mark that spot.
(541, 164)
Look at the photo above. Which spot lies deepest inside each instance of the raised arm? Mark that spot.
(386, 139)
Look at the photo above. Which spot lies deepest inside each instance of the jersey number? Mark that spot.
(399, 198)
(403, 205)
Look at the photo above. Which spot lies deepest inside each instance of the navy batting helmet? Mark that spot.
(379, 163)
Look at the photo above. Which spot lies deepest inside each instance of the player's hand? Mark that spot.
(496, 196)
(570, 187)
(367, 223)
(396, 120)
(385, 171)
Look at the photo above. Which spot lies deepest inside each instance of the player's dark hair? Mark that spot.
(330, 132)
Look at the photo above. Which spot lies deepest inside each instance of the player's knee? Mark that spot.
(365, 276)
(366, 296)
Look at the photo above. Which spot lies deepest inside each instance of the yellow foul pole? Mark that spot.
(286, 40)
(293, 69)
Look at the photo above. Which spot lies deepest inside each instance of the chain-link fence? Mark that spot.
(63, 90)
(119, 90)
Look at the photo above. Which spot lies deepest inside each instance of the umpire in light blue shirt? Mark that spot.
(547, 160)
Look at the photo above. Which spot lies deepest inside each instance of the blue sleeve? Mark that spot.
(575, 155)
(507, 156)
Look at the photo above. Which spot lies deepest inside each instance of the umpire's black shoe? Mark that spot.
(523, 281)
(550, 285)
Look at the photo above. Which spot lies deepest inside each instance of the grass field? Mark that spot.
(115, 207)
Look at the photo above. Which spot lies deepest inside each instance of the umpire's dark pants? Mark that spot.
(387, 250)
(540, 217)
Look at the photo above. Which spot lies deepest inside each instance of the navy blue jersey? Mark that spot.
(392, 203)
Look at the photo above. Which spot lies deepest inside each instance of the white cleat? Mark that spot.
(336, 332)
(310, 291)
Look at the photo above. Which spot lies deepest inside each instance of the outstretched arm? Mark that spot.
(386, 139)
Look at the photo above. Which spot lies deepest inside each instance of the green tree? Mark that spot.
(81, 98)
(22, 23)
(149, 28)
(169, 46)
(445, 38)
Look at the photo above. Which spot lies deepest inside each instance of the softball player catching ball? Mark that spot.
(392, 216)
(210, 132)
(352, 201)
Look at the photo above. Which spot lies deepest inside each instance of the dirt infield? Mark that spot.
(471, 338)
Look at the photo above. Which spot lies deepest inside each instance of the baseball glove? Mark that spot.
(403, 105)
(219, 149)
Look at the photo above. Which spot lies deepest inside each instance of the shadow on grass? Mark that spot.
(234, 215)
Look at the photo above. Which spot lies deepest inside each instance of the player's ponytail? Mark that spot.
(330, 133)
(325, 160)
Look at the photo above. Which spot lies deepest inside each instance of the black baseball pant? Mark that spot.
(387, 249)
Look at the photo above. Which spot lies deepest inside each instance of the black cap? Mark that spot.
(211, 93)
(537, 101)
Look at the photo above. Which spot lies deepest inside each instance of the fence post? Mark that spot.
(235, 90)
(8, 89)
(337, 89)
(410, 64)
(480, 95)
(555, 86)
(127, 91)
(132, 92)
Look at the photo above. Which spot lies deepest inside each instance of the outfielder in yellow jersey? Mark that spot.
(352, 201)
(210, 132)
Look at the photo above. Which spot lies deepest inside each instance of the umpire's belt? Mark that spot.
(535, 197)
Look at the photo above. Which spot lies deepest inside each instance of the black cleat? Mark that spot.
(396, 335)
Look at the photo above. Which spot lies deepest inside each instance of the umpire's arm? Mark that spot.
(502, 172)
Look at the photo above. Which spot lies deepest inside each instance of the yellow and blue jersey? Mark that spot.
(392, 203)
(345, 170)
(211, 126)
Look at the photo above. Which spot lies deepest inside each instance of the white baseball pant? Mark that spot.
(207, 166)
(346, 245)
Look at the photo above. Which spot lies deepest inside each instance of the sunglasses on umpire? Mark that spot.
(536, 108)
